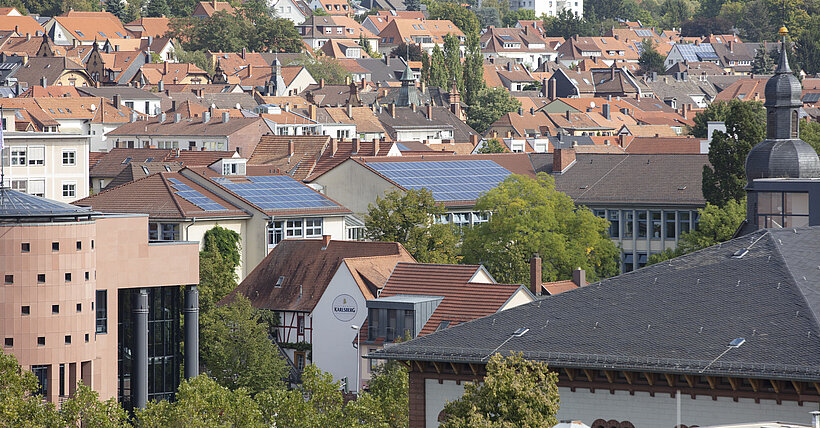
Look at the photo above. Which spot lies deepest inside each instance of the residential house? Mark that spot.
(703, 52)
(425, 33)
(45, 71)
(644, 219)
(139, 100)
(21, 25)
(318, 288)
(523, 45)
(679, 90)
(207, 9)
(117, 67)
(512, 76)
(421, 298)
(715, 365)
(332, 7)
(343, 49)
(206, 133)
(145, 27)
(84, 28)
(317, 30)
(550, 7)
(295, 10)
(745, 89)
(426, 124)
(166, 72)
(606, 49)
(376, 23)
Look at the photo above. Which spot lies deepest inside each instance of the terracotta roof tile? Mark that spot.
(307, 268)
(272, 150)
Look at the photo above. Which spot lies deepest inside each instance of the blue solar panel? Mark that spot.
(193, 196)
(276, 192)
(448, 180)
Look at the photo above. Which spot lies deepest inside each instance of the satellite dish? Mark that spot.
(93, 107)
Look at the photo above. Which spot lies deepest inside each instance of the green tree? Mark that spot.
(400, 51)
(217, 272)
(85, 409)
(274, 35)
(201, 402)
(530, 216)
(323, 67)
(198, 58)
(488, 16)
(763, 62)
(44, 7)
(716, 224)
(724, 178)
(436, 243)
(511, 17)
(755, 22)
(180, 8)
(389, 387)
(808, 46)
(317, 402)
(515, 393)
(716, 112)
(490, 104)
(473, 70)
(133, 11)
(116, 8)
(493, 146)
(236, 349)
(461, 17)
(452, 60)
(156, 8)
(810, 133)
(19, 406)
(651, 60)
(437, 71)
(367, 48)
(676, 12)
(413, 5)
(566, 24)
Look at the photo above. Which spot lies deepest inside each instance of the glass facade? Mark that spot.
(782, 209)
(164, 337)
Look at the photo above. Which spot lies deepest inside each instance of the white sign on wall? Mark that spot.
(344, 307)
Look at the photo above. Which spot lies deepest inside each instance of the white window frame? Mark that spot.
(291, 228)
(18, 155)
(72, 155)
(69, 189)
(313, 227)
(37, 184)
(37, 155)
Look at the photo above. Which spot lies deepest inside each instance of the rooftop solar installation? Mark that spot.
(276, 192)
(644, 33)
(460, 180)
(193, 196)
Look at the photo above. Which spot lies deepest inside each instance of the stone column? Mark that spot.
(139, 375)
(191, 311)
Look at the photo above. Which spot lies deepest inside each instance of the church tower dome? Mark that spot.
(782, 154)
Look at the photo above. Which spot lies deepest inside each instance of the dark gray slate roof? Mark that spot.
(408, 119)
(675, 316)
(655, 179)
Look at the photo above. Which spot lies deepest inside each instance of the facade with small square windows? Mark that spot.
(70, 277)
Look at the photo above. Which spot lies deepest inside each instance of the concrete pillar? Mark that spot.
(191, 311)
(140, 351)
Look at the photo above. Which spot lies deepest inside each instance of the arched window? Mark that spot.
(795, 125)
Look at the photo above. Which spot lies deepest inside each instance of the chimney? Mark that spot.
(206, 116)
(334, 147)
(412, 107)
(535, 274)
(509, 66)
(244, 52)
(28, 36)
(521, 111)
(225, 117)
(250, 69)
(376, 143)
(349, 110)
(162, 117)
(161, 86)
(553, 89)
(117, 100)
(177, 117)
(363, 83)
(544, 87)
(290, 148)
(532, 111)
(356, 146)
(474, 140)
(387, 60)
(606, 112)
(579, 277)
(621, 140)
(321, 83)
(429, 112)
(392, 110)
(133, 116)
(312, 112)
(562, 159)
(731, 46)
(325, 241)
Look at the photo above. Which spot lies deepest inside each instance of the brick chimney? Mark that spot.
(312, 111)
(544, 83)
(325, 241)
(376, 143)
(579, 277)
(334, 146)
(606, 111)
(562, 159)
(349, 110)
(474, 140)
(552, 92)
(290, 148)
(321, 83)
(535, 274)
(356, 146)
(429, 112)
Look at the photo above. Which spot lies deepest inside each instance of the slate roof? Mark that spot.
(654, 179)
(682, 314)
(463, 300)
(307, 268)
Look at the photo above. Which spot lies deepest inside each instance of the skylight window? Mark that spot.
(126, 161)
(101, 33)
(120, 34)
(80, 33)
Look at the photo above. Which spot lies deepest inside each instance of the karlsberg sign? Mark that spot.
(344, 307)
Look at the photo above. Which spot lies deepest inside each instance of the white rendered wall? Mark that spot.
(640, 409)
(333, 339)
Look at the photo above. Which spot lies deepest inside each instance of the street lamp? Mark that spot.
(358, 356)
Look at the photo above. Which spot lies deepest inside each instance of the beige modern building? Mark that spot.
(81, 294)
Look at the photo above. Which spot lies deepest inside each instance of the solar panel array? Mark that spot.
(644, 33)
(276, 192)
(448, 180)
(697, 52)
(193, 196)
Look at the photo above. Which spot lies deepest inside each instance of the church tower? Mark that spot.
(782, 171)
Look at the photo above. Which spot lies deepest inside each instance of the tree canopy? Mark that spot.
(530, 216)
(493, 146)
(461, 17)
(724, 178)
(650, 60)
(490, 104)
(515, 393)
(322, 67)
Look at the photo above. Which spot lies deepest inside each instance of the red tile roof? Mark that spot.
(463, 300)
(307, 267)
